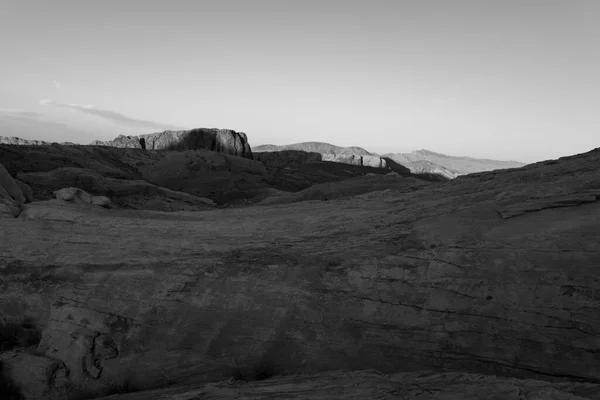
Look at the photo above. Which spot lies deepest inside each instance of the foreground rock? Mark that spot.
(136, 194)
(359, 385)
(128, 175)
(13, 194)
(220, 140)
(79, 196)
(435, 277)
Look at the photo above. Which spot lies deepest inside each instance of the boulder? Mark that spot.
(81, 197)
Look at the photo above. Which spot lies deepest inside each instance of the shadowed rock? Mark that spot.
(421, 277)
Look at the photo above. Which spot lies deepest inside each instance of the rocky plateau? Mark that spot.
(185, 273)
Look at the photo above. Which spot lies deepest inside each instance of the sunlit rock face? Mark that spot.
(220, 140)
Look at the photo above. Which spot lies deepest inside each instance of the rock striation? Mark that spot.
(220, 140)
(428, 277)
(346, 155)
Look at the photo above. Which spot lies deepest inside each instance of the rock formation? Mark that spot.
(79, 196)
(220, 140)
(13, 194)
(346, 155)
(492, 273)
(22, 142)
(128, 176)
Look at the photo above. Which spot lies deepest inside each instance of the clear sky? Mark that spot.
(503, 79)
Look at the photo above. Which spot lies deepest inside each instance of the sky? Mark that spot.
(504, 79)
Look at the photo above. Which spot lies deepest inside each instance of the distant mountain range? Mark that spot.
(419, 161)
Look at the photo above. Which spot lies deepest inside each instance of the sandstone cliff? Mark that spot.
(346, 155)
(220, 140)
(491, 273)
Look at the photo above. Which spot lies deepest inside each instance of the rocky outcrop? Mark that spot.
(13, 140)
(428, 167)
(73, 184)
(79, 196)
(13, 194)
(220, 140)
(223, 178)
(363, 161)
(316, 147)
(428, 277)
(346, 155)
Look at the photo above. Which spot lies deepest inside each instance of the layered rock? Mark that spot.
(71, 183)
(363, 161)
(13, 194)
(13, 140)
(412, 279)
(342, 385)
(220, 140)
(346, 155)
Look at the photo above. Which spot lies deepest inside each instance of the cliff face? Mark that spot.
(345, 155)
(490, 273)
(221, 140)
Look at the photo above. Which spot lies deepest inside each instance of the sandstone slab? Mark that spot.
(427, 278)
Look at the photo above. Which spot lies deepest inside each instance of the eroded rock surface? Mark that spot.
(430, 277)
(220, 140)
(360, 385)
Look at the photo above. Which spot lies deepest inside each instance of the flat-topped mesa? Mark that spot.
(221, 140)
(345, 155)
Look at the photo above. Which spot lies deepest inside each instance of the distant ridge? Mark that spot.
(316, 147)
(457, 165)
(419, 161)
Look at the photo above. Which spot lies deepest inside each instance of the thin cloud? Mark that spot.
(11, 112)
(57, 84)
(109, 115)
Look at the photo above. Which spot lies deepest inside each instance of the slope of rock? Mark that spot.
(360, 385)
(13, 194)
(220, 140)
(137, 194)
(287, 158)
(220, 177)
(455, 165)
(427, 279)
(373, 185)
